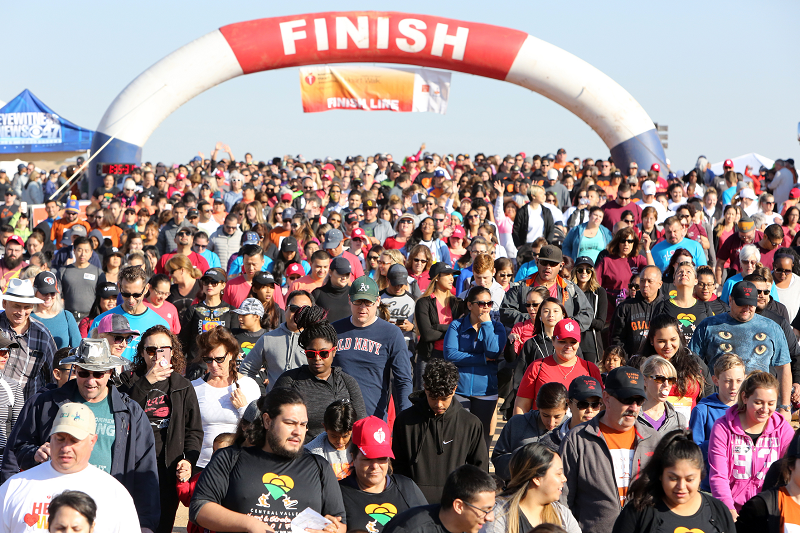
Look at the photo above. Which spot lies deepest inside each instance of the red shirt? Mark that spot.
(194, 258)
(731, 247)
(168, 312)
(613, 213)
(547, 371)
(614, 273)
(236, 291)
(445, 315)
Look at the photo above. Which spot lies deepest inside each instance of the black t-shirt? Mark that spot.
(700, 522)
(107, 194)
(273, 489)
(369, 511)
(158, 409)
(7, 212)
(202, 318)
(689, 317)
(423, 519)
(183, 303)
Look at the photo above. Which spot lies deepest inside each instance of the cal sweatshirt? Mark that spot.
(737, 466)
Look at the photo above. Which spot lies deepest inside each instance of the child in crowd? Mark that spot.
(613, 357)
(334, 443)
(728, 377)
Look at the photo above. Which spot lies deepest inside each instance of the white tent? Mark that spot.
(754, 160)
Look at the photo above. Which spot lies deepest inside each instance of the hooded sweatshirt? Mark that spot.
(518, 431)
(707, 411)
(428, 447)
(277, 351)
(673, 421)
(631, 322)
(737, 466)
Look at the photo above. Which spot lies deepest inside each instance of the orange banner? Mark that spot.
(370, 89)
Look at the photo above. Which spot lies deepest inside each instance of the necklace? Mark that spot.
(570, 370)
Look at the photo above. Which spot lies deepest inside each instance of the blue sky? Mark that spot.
(722, 75)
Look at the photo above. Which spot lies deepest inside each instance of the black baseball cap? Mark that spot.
(263, 278)
(214, 275)
(289, 244)
(397, 275)
(583, 387)
(550, 253)
(625, 382)
(108, 290)
(583, 260)
(45, 283)
(745, 293)
(340, 265)
(437, 269)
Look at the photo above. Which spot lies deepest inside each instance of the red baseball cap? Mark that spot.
(458, 232)
(358, 233)
(412, 158)
(794, 193)
(567, 328)
(373, 438)
(286, 197)
(295, 268)
(727, 164)
(655, 167)
(17, 239)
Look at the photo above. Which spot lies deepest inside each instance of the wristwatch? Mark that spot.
(785, 408)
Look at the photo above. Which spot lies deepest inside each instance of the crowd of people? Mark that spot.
(328, 345)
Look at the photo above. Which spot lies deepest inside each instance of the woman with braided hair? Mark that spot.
(319, 382)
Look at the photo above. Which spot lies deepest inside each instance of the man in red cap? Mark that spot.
(12, 264)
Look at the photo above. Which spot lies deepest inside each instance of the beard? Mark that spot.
(277, 447)
(12, 263)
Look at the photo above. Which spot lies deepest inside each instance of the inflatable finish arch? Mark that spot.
(373, 36)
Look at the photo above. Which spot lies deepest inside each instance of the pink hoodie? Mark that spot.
(736, 467)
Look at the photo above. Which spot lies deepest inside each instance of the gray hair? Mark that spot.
(750, 251)
(702, 163)
(654, 363)
(759, 219)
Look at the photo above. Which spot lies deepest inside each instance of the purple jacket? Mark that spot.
(736, 467)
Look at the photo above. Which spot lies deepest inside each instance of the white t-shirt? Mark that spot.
(218, 413)
(790, 296)
(26, 496)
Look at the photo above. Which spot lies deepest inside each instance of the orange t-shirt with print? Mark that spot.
(790, 510)
(620, 444)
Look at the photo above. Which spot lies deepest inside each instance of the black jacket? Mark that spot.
(513, 308)
(336, 301)
(519, 231)
(185, 431)
(427, 447)
(592, 339)
(427, 321)
(649, 520)
(631, 323)
(761, 513)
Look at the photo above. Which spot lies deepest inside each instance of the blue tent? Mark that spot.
(29, 127)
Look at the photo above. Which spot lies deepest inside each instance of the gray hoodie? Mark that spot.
(674, 420)
(277, 351)
(591, 489)
(519, 431)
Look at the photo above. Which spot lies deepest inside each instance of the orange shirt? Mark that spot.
(112, 233)
(620, 444)
(276, 234)
(61, 225)
(790, 510)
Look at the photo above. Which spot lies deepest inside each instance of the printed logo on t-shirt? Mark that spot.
(380, 514)
(622, 460)
(246, 347)
(277, 486)
(37, 518)
(357, 343)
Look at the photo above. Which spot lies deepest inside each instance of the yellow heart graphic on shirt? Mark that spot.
(687, 530)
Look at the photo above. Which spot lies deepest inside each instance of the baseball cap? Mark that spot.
(250, 306)
(289, 244)
(397, 275)
(583, 387)
(439, 173)
(655, 167)
(18, 240)
(794, 193)
(549, 157)
(364, 288)
(286, 197)
(6, 343)
(75, 419)
(359, 234)
(373, 438)
(78, 230)
(295, 270)
(45, 283)
(250, 237)
(192, 213)
(265, 278)
(552, 174)
(214, 275)
(746, 224)
(550, 253)
(727, 164)
(437, 269)
(118, 324)
(351, 218)
(340, 265)
(584, 260)
(744, 293)
(625, 382)
(288, 213)
(332, 239)
(748, 193)
(648, 188)
(370, 204)
(567, 328)
(252, 412)
(108, 290)
(458, 232)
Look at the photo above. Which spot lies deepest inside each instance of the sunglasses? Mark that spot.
(629, 241)
(293, 308)
(545, 264)
(119, 339)
(783, 271)
(663, 379)
(218, 360)
(420, 260)
(210, 283)
(504, 275)
(153, 350)
(762, 293)
(583, 270)
(533, 304)
(638, 400)
(136, 295)
(372, 257)
(483, 303)
(582, 405)
(633, 286)
(322, 354)
(85, 374)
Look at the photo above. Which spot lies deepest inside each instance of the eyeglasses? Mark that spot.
(504, 275)
(663, 379)
(583, 270)
(85, 374)
(483, 303)
(478, 509)
(362, 303)
(638, 400)
(218, 360)
(153, 350)
(385, 262)
(135, 295)
(322, 354)
(706, 285)
(582, 405)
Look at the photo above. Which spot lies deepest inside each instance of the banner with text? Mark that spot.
(404, 90)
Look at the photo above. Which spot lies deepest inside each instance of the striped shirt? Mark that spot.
(31, 364)
(11, 402)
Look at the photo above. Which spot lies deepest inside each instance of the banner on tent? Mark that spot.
(29, 128)
(404, 90)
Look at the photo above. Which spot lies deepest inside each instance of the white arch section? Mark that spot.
(371, 36)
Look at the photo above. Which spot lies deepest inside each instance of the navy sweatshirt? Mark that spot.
(379, 360)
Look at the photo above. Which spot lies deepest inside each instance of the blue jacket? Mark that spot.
(704, 414)
(134, 457)
(527, 270)
(572, 243)
(475, 353)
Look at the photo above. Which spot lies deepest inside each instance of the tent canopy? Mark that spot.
(754, 160)
(31, 130)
